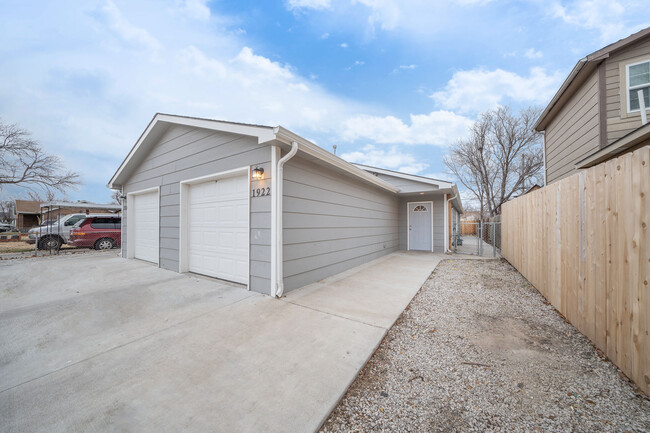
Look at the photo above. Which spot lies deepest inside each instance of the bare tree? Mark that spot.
(25, 164)
(36, 196)
(502, 157)
(116, 196)
(7, 211)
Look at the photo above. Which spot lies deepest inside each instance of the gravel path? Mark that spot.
(479, 349)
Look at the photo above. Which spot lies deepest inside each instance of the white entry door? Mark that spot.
(145, 226)
(218, 228)
(420, 226)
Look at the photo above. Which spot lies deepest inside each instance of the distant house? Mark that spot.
(597, 113)
(52, 210)
(28, 213)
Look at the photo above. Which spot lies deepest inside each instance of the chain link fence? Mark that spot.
(479, 238)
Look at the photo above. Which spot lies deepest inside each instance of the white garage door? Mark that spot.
(218, 228)
(145, 226)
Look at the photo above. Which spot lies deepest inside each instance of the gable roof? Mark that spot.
(28, 207)
(264, 134)
(580, 72)
(413, 177)
(443, 186)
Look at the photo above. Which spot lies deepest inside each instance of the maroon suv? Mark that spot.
(101, 233)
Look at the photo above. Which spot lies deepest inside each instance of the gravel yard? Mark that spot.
(479, 349)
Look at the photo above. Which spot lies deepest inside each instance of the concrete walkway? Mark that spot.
(99, 343)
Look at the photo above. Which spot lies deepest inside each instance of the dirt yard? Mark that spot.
(16, 247)
(479, 349)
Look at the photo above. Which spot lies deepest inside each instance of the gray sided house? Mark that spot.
(597, 113)
(263, 207)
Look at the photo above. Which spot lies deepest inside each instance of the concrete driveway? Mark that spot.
(99, 343)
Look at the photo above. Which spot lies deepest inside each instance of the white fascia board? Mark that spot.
(288, 137)
(440, 183)
(263, 134)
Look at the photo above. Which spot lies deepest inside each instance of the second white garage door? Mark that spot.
(145, 226)
(218, 228)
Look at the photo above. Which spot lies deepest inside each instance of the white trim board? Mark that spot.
(408, 223)
(183, 261)
(426, 180)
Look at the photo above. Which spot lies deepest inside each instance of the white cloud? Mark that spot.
(477, 90)
(385, 13)
(531, 53)
(308, 4)
(325, 36)
(407, 66)
(356, 63)
(196, 9)
(343, 45)
(127, 31)
(438, 128)
(90, 101)
(392, 159)
(608, 17)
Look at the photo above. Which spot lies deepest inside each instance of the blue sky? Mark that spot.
(391, 83)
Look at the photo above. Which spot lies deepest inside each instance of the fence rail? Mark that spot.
(583, 242)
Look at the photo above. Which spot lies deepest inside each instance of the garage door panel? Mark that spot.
(145, 226)
(218, 228)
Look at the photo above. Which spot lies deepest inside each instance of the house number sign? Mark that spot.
(261, 192)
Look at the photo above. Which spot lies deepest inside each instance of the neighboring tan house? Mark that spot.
(263, 207)
(597, 113)
(28, 214)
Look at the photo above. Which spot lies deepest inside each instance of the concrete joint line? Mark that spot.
(335, 315)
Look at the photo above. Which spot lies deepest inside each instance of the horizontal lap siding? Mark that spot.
(573, 133)
(184, 153)
(438, 220)
(619, 122)
(332, 223)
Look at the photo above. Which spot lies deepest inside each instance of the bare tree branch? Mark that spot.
(25, 164)
(502, 156)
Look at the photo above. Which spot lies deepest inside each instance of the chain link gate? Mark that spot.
(478, 238)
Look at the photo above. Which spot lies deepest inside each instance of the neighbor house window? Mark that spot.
(638, 78)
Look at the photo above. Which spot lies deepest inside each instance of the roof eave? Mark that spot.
(543, 120)
(284, 135)
(628, 141)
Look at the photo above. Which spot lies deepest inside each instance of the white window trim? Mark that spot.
(183, 261)
(627, 85)
(130, 227)
(408, 222)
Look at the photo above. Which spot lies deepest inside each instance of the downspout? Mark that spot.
(447, 224)
(278, 284)
(642, 107)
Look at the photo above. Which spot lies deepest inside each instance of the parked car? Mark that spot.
(53, 233)
(98, 232)
(6, 228)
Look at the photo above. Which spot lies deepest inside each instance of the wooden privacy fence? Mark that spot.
(583, 242)
(469, 228)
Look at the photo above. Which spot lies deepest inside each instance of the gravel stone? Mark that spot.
(479, 349)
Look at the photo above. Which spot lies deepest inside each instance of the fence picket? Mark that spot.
(583, 242)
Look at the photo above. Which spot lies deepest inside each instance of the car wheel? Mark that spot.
(50, 243)
(104, 244)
